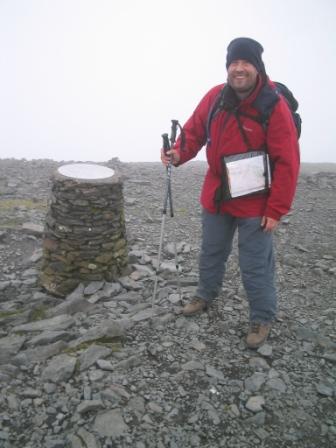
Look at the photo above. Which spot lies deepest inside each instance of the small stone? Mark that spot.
(211, 371)
(254, 382)
(234, 410)
(89, 439)
(104, 365)
(110, 424)
(49, 388)
(31, 393)
(93, 287)
(265, 350)
(174, 298)
(89, 405)
(255, 403)
(60, 369)
(193, 365)
(197, 345)
(9, 346)
(32, 228)
(258, 363)
(155, 408)
(324, 389)
(277, 384)
(57, 323)
(92, 354)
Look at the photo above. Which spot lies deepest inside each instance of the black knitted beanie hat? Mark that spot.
(247, 49)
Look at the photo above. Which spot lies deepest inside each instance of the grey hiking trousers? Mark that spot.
(256, 261)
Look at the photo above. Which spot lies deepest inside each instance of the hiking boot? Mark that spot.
(257, 334)
(194, 307)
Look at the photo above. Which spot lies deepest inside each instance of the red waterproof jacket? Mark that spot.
(282, 146)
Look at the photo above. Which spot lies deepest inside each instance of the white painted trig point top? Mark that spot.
(85, 171)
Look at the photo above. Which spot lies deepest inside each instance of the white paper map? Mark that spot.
(246, 176)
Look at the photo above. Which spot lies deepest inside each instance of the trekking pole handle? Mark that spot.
(166, 144)
(174, 126)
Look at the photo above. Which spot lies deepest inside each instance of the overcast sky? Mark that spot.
(96, 79)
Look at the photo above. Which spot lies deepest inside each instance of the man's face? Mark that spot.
(242, 76)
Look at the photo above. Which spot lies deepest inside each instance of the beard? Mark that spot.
(242, 86)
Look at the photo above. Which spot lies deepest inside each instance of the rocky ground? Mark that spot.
(103, 368)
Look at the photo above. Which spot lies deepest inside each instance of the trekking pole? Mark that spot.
(175, 125)
(167, 145)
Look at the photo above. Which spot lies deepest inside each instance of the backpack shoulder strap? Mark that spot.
(225, 100)
(265, 103)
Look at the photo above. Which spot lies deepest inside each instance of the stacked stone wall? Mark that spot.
(85, 235)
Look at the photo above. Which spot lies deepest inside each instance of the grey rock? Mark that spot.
(211, 371)
(74, 303)
(143, 270)
(277, 384)
(13, 402)
(107, 330)
(111, 289)
(9, 346)
(37, 255)
(265, 350)
(324, 389)
(255, 403)
(129, 363)
(163, 319)
(33, 355)
(174, 299)
(110, 424)
(89, 405)
(257, 419)
(258, 363)
(31, 393)
(93, 287)
(4, 285)
(130, 284)
(193, 365)
(329, 357)
(60, 368)
(137, 406)
(91, 355)
(75, 441)
(48, 337)
(61, 322)
(51, 442)
(234, 411)
(110, 395)
(143, 315)
(119, 390)
(89, 439)
(254, 382)
(168, 267)
(105, 365)
(33, 229)
(197, 345)
(49, 388)
(154, 408)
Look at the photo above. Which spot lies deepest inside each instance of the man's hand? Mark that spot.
(269, 224)
(172, 156)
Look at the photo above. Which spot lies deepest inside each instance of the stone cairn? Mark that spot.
(85, 235)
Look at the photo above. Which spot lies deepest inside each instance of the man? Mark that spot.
(235, 129)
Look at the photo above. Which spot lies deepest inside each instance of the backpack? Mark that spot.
(293, 104)
(264, 104)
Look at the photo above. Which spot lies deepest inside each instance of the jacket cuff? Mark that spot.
(271, 213)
